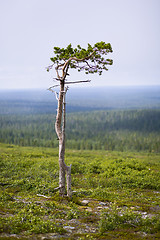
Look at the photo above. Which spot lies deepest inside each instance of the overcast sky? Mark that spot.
(31, 28)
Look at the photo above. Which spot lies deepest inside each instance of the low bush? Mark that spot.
(115, 218)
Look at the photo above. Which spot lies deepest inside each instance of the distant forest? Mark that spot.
(124, 119)
(124, 130)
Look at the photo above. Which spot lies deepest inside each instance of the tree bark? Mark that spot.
(69, 190)
(60, 130)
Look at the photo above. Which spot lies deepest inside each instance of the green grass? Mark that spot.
(123, 190)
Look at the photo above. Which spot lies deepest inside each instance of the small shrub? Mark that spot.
(29, 223)
(117, 217)
(95, 168)
(72, 214)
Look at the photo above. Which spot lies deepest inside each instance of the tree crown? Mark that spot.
(91, 60)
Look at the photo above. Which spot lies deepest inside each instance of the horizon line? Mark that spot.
(104, 86)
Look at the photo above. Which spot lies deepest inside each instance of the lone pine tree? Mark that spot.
(91, 60)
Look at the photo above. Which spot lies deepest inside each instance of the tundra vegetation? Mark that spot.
(115, 194)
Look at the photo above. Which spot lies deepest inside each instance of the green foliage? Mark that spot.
(28, 221)
(73, 213)
(117, 172)
(132, 130)
(122, 189)
(122, 218)
(92, 54)
(28, 172)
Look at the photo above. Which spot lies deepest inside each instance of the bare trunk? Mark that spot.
(60, 130)
(67, 168)
(69, 190)
(62, 190)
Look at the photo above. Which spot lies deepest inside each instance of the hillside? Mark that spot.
(113, 144)
(115, 195)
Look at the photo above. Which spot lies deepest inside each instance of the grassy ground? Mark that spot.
(116, 195)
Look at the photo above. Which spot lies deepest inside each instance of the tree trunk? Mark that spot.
(69, 190)
(62, 190)
(60, 130)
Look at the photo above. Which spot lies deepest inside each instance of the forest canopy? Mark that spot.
(136, 130)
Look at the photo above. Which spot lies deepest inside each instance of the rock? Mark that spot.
(69, 228)
(132, 208)
(85, 202)
(74, 221)
(144, 215)
(102, 203)
(99, 207)
(104, 207)
(89, 209)
(155, 208)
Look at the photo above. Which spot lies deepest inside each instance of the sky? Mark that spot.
(31, 28)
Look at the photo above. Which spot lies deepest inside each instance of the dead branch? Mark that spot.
(78, 82)
(40, 195)
(56, 94)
